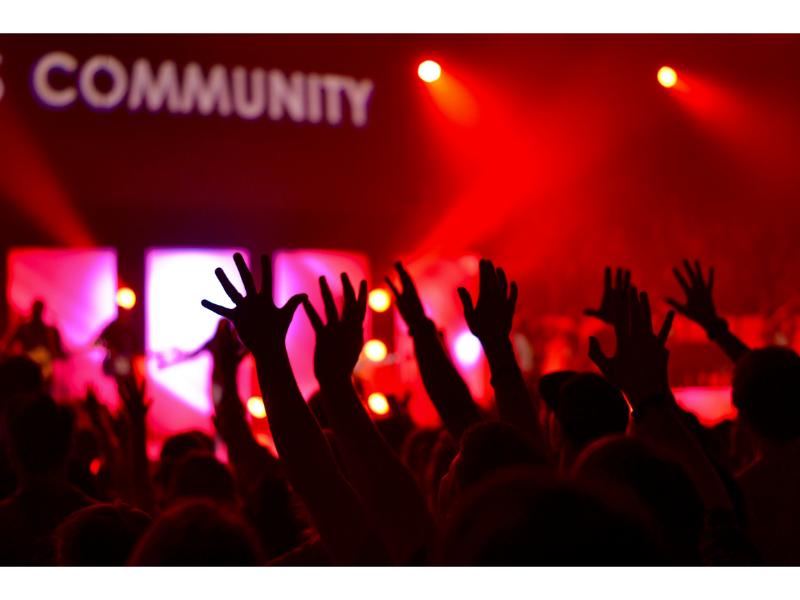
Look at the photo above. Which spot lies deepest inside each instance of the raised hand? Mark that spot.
(699, 305)
(407, 298)
(261, 325)
(639, 366)
(491, 317)
(339, 341)
(132, 394)
(622, 281)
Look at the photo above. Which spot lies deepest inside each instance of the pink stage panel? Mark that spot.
(78, 288)
(298, 271)
(177, 279)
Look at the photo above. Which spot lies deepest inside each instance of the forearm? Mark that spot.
(141, 485)
(446, 388)
(310, 465)
(719, 332)
(388, 489)
(660, 424)
(514, 403)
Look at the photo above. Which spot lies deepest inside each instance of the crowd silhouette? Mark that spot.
(580, 468)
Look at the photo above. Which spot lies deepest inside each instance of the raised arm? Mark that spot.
(336, 510)
(132, 394)
(639, 369)
(248, 458)
(489, 319)
(388, 489)
(443, 383)
(699, 307)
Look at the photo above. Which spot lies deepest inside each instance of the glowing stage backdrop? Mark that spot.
(298, 271)
(79, 288)
(177, 279)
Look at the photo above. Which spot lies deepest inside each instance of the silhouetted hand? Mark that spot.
(490, 319)
(699, 305)
(132, 394)
(639, 366)
(622, 281)
(408, 300)
(339, 341)
(260, 324)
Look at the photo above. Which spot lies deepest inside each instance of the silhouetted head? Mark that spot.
(417, 450)
(40, 436)
(19, 377)
(198, 533)
(766, 391)
(37, 310)
(176, 447)
(486, 448)
(200, 475)
(589, 408)
(522, 517)
(275, 516)
(632, 469)
(100, 535)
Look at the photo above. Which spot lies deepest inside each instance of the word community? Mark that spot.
(104, 83)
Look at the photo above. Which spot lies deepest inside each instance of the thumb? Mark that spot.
(598, 357)
(291, 305)
(466, 303)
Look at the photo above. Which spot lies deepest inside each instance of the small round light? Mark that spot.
(467, 349)
(126, 298)
(375, 350)
(379, 300)
(255, 406)
(378, 404)
(667, 77)
(429, 71)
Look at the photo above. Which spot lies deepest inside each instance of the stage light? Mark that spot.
(375, 350)
(467, 349)
(667, 77)
(429, 71)
(378, 404)
(95, 465)
(126, 298)
(379, 300)
(255, 406)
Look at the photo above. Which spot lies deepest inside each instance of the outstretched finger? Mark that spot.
(361, 300)
(607, 279)
(313, 315)
(666, 327)
(710, 284)
(392, 287)
(266, 276)
(405, 278)
(291, 305)
(245, 274)
(347, 291)
(232, 292)
(645, 316)
(216, 308)
(681, 280)
(331, 314)
(502, 282)
(598, 357)
(512, 297)
(466, 303)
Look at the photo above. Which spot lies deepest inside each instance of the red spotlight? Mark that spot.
(667, 77)
(429, 71)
